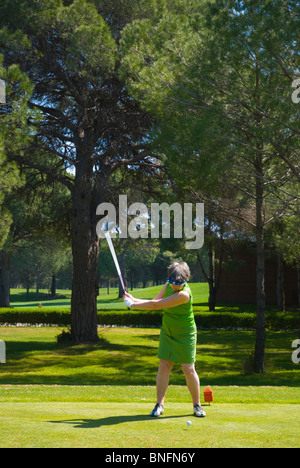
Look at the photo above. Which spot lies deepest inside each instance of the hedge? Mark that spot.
(204, 320)
(35, 316)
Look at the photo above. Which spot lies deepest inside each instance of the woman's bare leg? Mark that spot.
(162, 380)
(192, 381)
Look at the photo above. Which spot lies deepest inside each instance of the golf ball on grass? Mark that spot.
(189, 424)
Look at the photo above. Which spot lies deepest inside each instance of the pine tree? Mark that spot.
(220, 83)
(14, 134)
(90, 125)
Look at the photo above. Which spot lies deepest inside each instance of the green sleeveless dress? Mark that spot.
(178, 337)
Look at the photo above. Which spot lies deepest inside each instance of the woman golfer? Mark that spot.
(178, 336)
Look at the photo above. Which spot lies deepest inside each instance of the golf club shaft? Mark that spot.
(114, 256)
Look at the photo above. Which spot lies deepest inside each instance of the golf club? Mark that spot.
(114, 256)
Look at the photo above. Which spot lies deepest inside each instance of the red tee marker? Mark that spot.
(208, 395)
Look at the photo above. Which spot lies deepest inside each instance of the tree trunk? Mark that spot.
(37, 294)
(131, 281)
(213, 278)
(212, 297)
(85, 249)
(4, 279)
(53, 285)
(122, 261)
(259, 355)
(280, 287)
(298, 278)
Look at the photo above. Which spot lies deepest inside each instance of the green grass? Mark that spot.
(128, 425)
(105, 301)
(101, 395)
(129, 357)
(18, 298)
(110, 302)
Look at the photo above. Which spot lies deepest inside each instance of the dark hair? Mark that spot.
(179, 271)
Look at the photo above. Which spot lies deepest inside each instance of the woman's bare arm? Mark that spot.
(162, 293)
(179, 298)
(140, 301)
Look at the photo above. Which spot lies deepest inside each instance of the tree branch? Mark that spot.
(45, 170)
(286, 160)
(54, 113)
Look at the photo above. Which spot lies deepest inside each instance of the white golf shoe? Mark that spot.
(198, 411)
(157, 411)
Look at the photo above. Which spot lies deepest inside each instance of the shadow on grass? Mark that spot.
(113, 420)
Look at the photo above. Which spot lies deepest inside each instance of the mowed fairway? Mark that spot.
(119, 425)
(101, 395)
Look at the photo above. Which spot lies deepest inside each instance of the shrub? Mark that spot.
(122, 317)
(35, 316)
